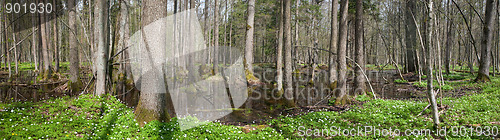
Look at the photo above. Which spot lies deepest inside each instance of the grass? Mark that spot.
(89, 117)
(400, 81)
(26, 66)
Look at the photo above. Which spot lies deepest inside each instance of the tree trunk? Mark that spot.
(45, 47)
(249, 41)
(430, 90)
(74, 60)
(359, 81)
(216, 37)
(449, 43)
(332, 68)
(152, 105)
(14, 44)
(56, 39)
(341, 96)
(279, 51)
(487, 39)
(33, 44)
(102, 48)
(289, 97)
(411, 39)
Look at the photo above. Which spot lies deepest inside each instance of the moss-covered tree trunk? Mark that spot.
(152, 104)
(487, 39)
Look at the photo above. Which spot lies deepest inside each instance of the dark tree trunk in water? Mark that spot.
(487, 39)
(341, 94)
(359, 80)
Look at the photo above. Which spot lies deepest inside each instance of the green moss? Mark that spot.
(250, 77)
(399, 81)
(75, 87)
(481, 78)
(143, 115)
(341, 101)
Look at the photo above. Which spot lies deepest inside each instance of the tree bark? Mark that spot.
(289, 96)
(45, 47)
(449, 45)
(56, 39)
(430, 90)
(216, 37)
(411, 39)
(333, 46)
(33, 44)
(152, 105)
(279, 51)
(359, 81)
(341, 97)
(102, 48)
(487, 39)
(249, 41)
(74, 60)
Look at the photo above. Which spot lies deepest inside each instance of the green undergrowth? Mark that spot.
(480, 111)
(28, 66)
(89, 117)
(400, 81)
(423, 84)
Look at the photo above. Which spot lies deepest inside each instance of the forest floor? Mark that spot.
(463, 105)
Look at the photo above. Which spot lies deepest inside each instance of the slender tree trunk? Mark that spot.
(2, 33)
(487, 39)
(333, 46)
(16, 56)
(289, 96)
(341, 55)
(33, 44)
(449, 44)
(249, 42)
(102, 48)
(296, 41)
(279, 51)
(430, 90)
(216, 38)
(55, 33)
(359, 81)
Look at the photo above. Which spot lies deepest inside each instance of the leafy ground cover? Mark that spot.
(89, 117)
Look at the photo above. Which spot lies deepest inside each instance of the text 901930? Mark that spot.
(22, 8)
